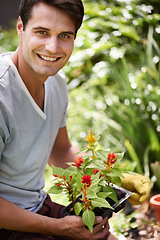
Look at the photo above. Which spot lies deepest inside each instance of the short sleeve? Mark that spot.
(4, 132)
(63, 122)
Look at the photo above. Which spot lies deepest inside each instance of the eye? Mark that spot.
(64, 35)
(42, 32)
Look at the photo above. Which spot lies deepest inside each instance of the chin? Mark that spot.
(46, 73)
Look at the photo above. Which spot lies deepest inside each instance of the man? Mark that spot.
(33, 102)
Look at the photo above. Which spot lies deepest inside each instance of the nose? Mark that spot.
(52, 45)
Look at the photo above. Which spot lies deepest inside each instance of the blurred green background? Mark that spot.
(114, 80)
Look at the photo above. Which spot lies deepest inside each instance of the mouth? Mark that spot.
(48, 59)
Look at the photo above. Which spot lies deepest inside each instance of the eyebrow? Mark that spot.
(39, 27)
(47, 29)
(69, 32)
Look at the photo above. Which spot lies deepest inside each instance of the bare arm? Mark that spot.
(62, 151)
(15, 218)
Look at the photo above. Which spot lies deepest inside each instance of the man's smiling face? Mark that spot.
(47, 42)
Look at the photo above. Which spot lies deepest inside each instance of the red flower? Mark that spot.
(55, 175)
(87, 179)
(59, 184)
(95, 171)
(70, 177)
(111, 159)
(78, 162)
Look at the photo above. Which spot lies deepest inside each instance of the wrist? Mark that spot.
(50, 226)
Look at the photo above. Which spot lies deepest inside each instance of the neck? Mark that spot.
(34, 84)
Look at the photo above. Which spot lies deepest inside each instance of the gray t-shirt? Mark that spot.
(27, 134)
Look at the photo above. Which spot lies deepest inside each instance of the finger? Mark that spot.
(98, 219)
(101, 230)
(143, 187)
(106, 226)
(134, 198)
(102, 234)
(146, 185)
(143, 198)
(139, 187)
(105, 221)
(99, 226)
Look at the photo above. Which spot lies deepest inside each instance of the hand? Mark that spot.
(139, 186)
(73, 227)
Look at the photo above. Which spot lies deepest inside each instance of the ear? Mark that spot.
(20, 27)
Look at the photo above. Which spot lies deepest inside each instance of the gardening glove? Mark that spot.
(139, 186)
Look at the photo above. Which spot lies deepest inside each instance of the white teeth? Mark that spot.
(48, 58)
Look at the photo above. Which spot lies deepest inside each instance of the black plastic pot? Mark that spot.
(122, 195)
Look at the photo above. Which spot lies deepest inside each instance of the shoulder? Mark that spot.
(6, 80)
(4, 66)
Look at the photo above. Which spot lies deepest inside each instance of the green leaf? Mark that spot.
(103, 194)
(86, 163)
(102, 183)
(57, 171)
(68, 174)
(91, 194)
(98, 164)
(55, 190)
(116, 181)
(100, 202)
(88, 218)
(79, 178)
(115, 172)
(119, 156)
(78, 207)
(94, 188)
(89, 171)
(102, 155)
(134, 156)
(113, 195)
(154, 140)
(129, 32)
(95, 179)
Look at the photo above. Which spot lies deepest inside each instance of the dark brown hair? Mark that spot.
(72, 7)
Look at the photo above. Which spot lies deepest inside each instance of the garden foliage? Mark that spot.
(114, 78)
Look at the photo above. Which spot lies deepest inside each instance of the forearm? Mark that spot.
(69, 155)
(63, 151)
(15, 218)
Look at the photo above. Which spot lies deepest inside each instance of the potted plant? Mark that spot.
(92, 184)
(155, 204)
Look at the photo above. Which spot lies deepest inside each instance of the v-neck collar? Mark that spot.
(18, 77)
